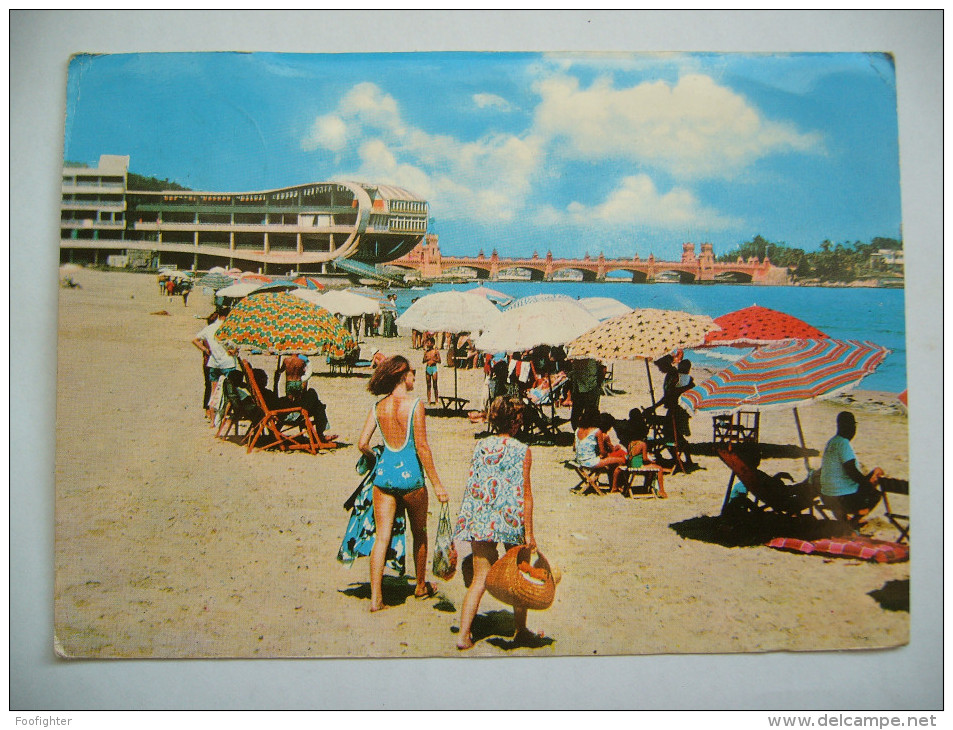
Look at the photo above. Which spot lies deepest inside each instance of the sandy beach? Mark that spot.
(172, 543)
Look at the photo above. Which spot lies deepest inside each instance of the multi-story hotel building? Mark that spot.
(301, 228)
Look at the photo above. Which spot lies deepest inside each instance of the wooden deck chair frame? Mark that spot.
(901, 522)
(762, 495)
(234, 416)
(649, 485)
(589, 479)
(274, 423)
(663, 434)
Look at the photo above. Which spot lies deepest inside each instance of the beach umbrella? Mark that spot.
(376, 294)
(253, 276)
(280, 324)
(450, 311)
(603, 308)
(279, 285)
(534, 298)
(347, 303)
(543, 322)
(756, 325)
(642, 334)
(215, 280)
(308, 282)
(218, 270)
(786, 373)
(239, 290)
(497, 297)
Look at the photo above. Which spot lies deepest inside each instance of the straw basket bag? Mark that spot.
(514, 581)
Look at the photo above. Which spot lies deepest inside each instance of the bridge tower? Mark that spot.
(706, 263)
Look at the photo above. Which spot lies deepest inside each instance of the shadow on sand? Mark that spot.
(894, 595)
(754, 529)
(397, 591)
(500, 624)
(768, 451)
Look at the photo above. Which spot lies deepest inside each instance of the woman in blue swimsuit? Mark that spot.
(399, 473)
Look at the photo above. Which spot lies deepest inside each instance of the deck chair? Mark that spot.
(287, 429)
(741, 427)
(662, 438)
(766, 492)
(650, 484)
(589, 479)
(237, 411)
(901, 522)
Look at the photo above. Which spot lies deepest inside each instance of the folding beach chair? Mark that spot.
(237, 411)
(900, 521)
(287, 429)
(589, 479)
(770, 492)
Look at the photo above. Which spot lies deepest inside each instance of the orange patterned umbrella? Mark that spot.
(280, 324)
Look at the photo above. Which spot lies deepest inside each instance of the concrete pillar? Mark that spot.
(267, 244)
(298, 243)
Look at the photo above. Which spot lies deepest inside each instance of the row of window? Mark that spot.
(408, 206)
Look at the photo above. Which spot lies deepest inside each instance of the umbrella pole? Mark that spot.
(800, 433)
(648, 371)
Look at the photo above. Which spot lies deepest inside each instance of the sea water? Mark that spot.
(846, 313)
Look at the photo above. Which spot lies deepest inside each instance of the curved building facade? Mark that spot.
(300, 228)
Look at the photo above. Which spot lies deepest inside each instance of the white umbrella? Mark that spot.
(493, 295)
(449, 311)
(603, 308)
(309, 295)
(547, 322)
(348, 303)
(237, 291)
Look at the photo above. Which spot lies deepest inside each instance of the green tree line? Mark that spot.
(831, 262)
(151, 184)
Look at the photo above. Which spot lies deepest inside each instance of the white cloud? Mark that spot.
(638, 202)
(694, 128)
(491, 101)
(488, 178)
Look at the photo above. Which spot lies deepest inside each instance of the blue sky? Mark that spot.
(619, 153)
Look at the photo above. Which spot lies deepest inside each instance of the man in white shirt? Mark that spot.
(218, 360)
(844, 489)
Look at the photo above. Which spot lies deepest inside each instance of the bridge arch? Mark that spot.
(587, 274)
(534, 273)
(636, 276)
(734, 277)
(479, 272)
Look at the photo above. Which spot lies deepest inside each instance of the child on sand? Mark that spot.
(431, 361)
(497, 507)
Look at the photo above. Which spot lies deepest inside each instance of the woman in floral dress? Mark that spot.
(497, 507)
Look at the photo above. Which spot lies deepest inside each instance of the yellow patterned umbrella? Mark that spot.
(642, 334)
(280, 324)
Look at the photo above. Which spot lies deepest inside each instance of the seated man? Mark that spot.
(844, 489)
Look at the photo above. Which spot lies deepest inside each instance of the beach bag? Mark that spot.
(445, 553)
(516, 582)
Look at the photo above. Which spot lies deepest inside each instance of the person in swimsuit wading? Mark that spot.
(399, 472)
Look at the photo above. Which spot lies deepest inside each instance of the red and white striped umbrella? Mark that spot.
(787, 373)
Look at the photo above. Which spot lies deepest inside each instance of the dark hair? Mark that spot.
(211, 318)
(589, 418)
(388, 374)
(504, 413)
(606, 421)
(845, 418)
(684, 366)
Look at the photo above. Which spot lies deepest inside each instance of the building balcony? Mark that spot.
(119, 207)
(93, 187)
(89, 223)
(242, 228)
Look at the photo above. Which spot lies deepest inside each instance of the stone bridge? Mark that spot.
(428, 261)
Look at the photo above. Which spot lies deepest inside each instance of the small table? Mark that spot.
(453, 404)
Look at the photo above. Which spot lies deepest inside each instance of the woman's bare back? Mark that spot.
(392, 416)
